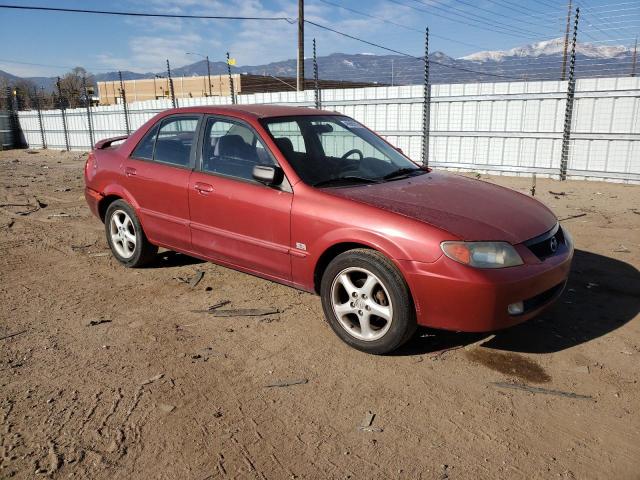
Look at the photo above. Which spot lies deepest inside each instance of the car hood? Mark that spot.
(470, 209)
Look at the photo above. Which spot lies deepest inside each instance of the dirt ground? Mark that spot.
(107, 372)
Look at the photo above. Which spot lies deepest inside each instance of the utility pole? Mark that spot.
(566, 43)
(300, 82)
(634, 59)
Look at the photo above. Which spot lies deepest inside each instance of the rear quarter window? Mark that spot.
(144, 149)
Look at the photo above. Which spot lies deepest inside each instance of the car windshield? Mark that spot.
(333, 150)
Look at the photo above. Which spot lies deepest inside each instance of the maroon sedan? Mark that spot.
(315, 200)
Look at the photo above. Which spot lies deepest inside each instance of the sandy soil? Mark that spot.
(110, 374)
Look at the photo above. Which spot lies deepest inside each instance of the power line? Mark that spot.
(456, 20)
(493, 13)
(390, 22)
(382, 47)
(140, 14)
(475, 18)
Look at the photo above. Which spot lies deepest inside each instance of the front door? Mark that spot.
(235, 219)
(157, 176)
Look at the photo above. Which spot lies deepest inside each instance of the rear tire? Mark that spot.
(125, 236)
(367, 301)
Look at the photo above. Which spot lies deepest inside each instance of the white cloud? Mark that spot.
(250, 42)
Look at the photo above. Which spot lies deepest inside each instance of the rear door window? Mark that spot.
(174, 140)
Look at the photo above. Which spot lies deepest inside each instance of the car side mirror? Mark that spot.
(268, 174)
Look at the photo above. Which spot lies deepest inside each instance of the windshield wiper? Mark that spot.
(345, 179)
(401, 172)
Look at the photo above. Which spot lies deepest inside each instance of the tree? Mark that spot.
(71, 86)
(24, 92)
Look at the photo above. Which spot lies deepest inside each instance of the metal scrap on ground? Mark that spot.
(288, 383)
(367, 423)
(243, 312)
(213, 307)
(545, 391)
(152, 379)
(570, 217)
(93, 323)
(12, 335)
(195, 280)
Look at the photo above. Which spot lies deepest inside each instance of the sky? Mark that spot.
(48, 43)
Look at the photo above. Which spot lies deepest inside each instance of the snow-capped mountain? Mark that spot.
(548, 47)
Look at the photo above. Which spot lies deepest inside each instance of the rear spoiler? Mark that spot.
(106, 143)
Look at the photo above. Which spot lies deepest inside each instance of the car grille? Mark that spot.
(543, 298)
(547, 244)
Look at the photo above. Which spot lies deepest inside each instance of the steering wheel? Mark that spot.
(351, 152)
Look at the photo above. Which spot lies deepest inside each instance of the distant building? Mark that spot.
(184, 87)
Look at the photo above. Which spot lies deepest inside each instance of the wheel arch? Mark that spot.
(113, 193)
(104, 204)
(329, 254)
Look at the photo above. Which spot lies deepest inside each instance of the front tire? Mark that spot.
(367, 301)
(125, 236)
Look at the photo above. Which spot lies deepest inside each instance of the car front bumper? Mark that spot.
(452, 296)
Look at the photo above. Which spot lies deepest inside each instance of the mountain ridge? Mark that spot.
(537, 61)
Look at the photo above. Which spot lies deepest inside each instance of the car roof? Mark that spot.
(256, 111)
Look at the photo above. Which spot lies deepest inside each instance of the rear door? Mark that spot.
(234, 218)
(157, 175)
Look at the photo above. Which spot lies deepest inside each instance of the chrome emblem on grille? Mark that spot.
(553, 244)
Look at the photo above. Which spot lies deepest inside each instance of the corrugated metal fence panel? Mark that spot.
(506, 127)
(606, 129)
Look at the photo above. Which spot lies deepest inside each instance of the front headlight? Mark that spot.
(482, 254)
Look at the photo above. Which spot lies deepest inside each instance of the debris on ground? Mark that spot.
(367, 423)
(570, 217)
(204, 354)
(100, 254)
(93, 323)
(243, 312)
(11, 335)
(436, 355)
(288, 383)
(195, 280)
(213, 307)
(166, 408)
(557, 194)
(621, 249)
(545, 391)
(152, 379)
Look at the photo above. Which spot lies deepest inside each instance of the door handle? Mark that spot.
(203, 188)
(130, 171)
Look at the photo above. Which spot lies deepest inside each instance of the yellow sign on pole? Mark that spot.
(231, 61)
